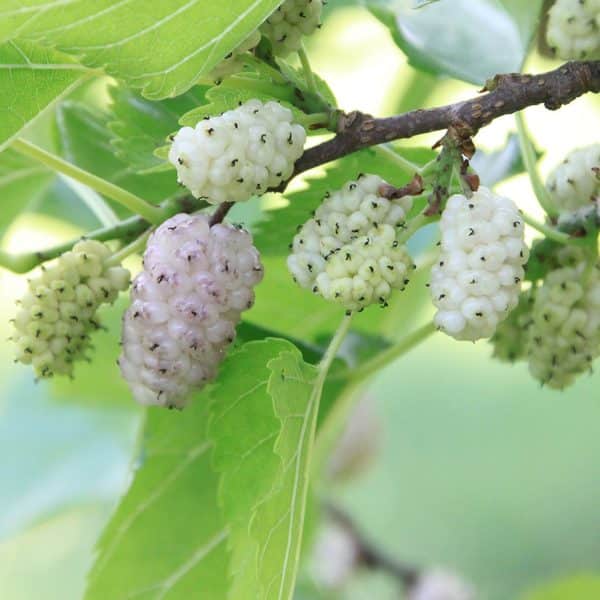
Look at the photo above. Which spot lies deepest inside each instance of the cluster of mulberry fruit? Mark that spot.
(58, 312)
(185, 305)
(574, 184)
(284, 29)
(241, 153)
(348, 252)
(292, 20)
(564, 337)
(476, 281)
(573, 27)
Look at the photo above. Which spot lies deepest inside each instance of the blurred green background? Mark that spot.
(479, 469)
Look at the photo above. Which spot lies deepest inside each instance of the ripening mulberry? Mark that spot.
(564, 337)
(233, 62)
(476, 282)
(510, 338)
(574, 184)
(293, 19)
(241, 153)
(574, 29)
(185, 305)
(58, 312)
(348, 251)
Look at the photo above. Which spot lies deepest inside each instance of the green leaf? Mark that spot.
(21, 182)
(297, 77)
(576, 587)
(278, 524)
(162, 46)
(86, 142)
(139, 126)
(166, 540)
(440, 38)
(243, 427)
(31, 78)
(263, 416)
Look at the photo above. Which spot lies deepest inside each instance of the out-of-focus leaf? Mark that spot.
(167, 538)
(21, 181)
(467, 40)
(162, 46)
(31, 78)
(576, 587)
(61, 455)
(139, 126)
(493, 167)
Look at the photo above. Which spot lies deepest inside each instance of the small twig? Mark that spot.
(505, 94)
(413, 188)
(309, 76)
(530, 161)
(369, 555)
(132, 248)
(125, 230)
(220, 213)
(135, 204)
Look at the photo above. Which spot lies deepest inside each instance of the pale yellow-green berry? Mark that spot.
(348, 251)
(511, 337)
(574, 184)
(290, 22)
(574, 29)
(57, 314)
(564, 337)
(234, 61)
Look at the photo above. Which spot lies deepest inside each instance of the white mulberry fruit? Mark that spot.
(574, 184)
(564, 337)
(58, 312)
(185, 305)
(573, 29)
(476, 282)
(438, 584)
(348, 251)
(293, 19)
(233, 62)
(241, 153)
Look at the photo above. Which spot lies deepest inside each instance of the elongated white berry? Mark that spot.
(233, 62)
(574, 29)
(439, 584)
(564, 338)
(574, 184)
(348, 251)
(185, 305)
(477, 279)
(292, 20)
(58, 312)
(238, 154)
